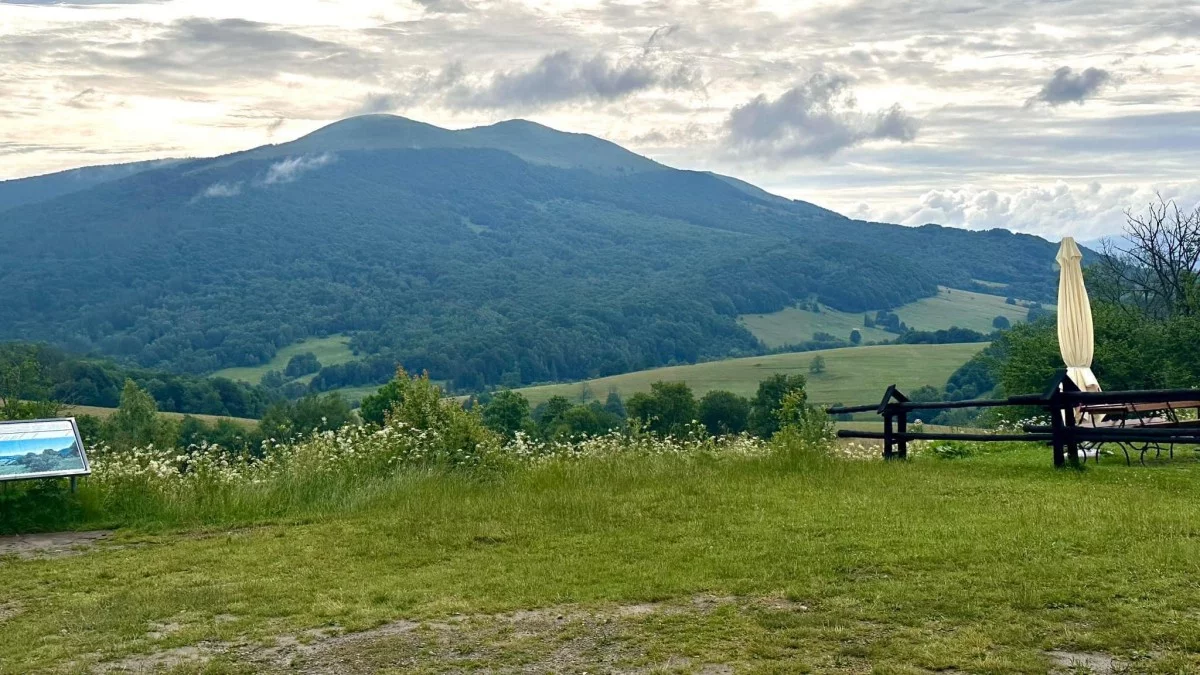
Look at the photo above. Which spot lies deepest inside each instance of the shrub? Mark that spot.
(724, 412)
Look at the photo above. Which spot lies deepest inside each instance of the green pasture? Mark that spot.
(852, 375)
(330, 351)
(951, 307)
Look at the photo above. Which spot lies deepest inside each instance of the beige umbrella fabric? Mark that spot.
(1075, 332)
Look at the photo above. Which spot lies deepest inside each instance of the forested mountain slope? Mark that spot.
(550, 256)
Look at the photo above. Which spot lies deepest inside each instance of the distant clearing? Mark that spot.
(852, 375)
(355, 394)
(794, 326)
(965, 309)
(950, 308)
(330, 351)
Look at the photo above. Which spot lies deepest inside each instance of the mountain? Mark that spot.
(509, 254)
(23, 191)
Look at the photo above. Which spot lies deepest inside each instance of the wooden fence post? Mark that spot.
(889, 410)
(902, 427)
(887, 434)
(1056, 429)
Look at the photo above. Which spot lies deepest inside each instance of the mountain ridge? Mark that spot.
(477, 264)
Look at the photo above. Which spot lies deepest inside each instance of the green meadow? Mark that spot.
(783, 563)
(950, 308)
(330, 351)
(104, 413)
(852, 375)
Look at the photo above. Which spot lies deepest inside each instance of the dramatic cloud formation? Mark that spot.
(1059, 209)
(565, 76)
(1067, 86)
(288, 170)
(951, 111)
(819, 117)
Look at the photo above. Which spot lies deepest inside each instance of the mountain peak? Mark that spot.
(532, 142)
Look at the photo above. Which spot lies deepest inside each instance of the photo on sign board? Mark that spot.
(40, 448)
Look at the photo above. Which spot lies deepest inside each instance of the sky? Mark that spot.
(1044, 116)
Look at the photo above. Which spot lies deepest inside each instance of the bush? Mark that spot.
(302, 364)
(456, 436)
(723, 412)
(669, 408)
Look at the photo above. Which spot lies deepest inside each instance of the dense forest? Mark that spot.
(481, 266)
(31, 372)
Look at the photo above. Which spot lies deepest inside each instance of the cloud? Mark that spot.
(816, 118)
(378, 102)
(88, 98)
(199, 49)
(290, 169)
(659, 35)
(221, 190)
(566, 75)
(1067, 86)
(1056, 209)
(444, 6)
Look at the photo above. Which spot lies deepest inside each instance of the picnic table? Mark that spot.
(1164, 415)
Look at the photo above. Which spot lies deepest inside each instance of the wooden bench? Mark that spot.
(1138, 416)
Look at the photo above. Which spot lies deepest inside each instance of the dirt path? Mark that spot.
(53, 545)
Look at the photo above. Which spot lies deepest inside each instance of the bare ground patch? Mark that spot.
(51, 545)
(564, 638)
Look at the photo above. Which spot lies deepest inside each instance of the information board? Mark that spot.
(41, 449)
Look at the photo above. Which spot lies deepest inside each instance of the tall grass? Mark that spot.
(324, 474)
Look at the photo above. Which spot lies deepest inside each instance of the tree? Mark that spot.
(1037, 312)
(374, 408)
(1001, 323)
(614, 406)
(817, 365)
(24, 389)
(1010, 300)
(724, 412)
(668, 409)
(285, 421)
(550, 413)
(302, 364)
(1153, 267)
(273, 379)
(507, 413)
(135, 423)
(925, 394)
(855, 337)
(764, 420)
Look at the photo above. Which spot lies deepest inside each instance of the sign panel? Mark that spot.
(41, 449)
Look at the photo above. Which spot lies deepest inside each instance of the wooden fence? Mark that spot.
(1062, 400)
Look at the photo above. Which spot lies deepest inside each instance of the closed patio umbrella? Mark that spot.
(1075, 332)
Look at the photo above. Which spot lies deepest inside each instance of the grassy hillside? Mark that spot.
(852, 375)
(995, 564)
(965, 309)
(77, 410)
(794, 326)
(330, 351)
(951, 307)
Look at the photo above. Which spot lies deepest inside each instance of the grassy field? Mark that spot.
(76, 410)
(853, 375)
(330, 351)
(952, 307)
(794, 325)
(949, 308)
(995, 563)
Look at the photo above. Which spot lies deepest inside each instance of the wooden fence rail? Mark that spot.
(1061, 400)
